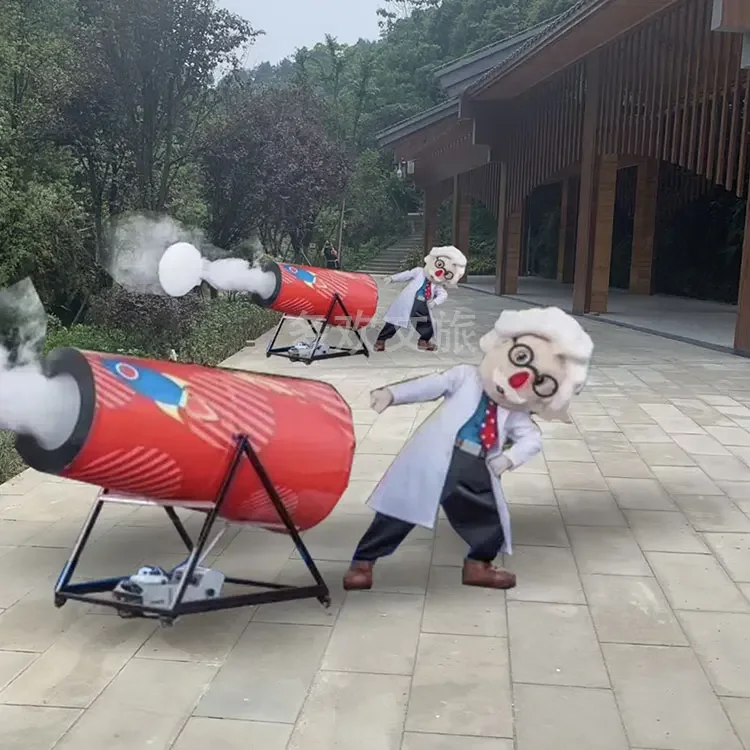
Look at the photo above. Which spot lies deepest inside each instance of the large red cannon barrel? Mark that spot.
(304, 291)
(167, 431)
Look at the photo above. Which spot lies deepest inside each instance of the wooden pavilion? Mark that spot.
(661, 85)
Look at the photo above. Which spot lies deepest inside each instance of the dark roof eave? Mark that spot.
(560, 25)
(416, 123)
(491, 49)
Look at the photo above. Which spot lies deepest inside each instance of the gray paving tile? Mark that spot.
(665, 699)
(453, 608)
(267, 675)
(81, 663)
(535, 525)
(733, 551)
(722, 642)
(34, 727)
(224, 734)
(696, 582)
(738, 710)
(344, 710)
(640, 494)
(713, 513)
(631, 610)
(376, 633)
(205, 637)
(610, 550)
(545, 574)
(420, 741)
(589, 508)
(567, 718)
(554, 644)
(664, 531)
(145, 705)
(461, 686)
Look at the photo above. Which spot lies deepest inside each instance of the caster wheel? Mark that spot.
(60, 601)
(326, 602)
(166, 622)
(125, 615)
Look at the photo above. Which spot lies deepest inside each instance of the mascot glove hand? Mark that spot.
(380, 399)
(500, 464)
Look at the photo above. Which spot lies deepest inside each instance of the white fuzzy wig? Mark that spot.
(563, 330)
(450, 252)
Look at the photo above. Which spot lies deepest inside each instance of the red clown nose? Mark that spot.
(518, 380)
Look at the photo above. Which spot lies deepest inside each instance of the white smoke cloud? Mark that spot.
(151, 254)
(31, 403)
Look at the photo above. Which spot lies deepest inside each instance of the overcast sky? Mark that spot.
(290, 24)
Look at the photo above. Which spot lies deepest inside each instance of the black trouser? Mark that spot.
(468, 502)
(420, 316)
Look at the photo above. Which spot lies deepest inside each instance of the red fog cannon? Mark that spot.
(321, 297)
(332, 298)
(242, 447)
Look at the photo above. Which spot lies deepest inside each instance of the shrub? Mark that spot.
(10, 461)
(96, 338)
(222, 328)
(151, 323)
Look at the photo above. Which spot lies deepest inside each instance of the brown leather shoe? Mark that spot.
(426, 346)
(485, 575)
(380, 346)
(358, 577)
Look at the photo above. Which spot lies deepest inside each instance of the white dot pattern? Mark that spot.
(488, 432)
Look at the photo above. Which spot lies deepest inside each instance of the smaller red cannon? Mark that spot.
(317, 295)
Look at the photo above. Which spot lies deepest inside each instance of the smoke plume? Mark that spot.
(31, 403)
(151, 254)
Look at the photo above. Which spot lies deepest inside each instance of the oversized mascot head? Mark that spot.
(535, 360)
(445, 265)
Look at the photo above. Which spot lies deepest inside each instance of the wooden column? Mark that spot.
(587, 193)
(742, 328)
(461, 220)
(604, 218)
(644, 227)
(569, 262)
(514, 233)
(562, 232)
(502, 228)
(431, 209)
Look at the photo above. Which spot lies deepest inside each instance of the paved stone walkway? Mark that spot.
(630, 626)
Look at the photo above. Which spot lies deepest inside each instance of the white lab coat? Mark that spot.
(399, 313)
(411, 487)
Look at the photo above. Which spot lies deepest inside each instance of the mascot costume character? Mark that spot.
(534, 362)
(444, 266)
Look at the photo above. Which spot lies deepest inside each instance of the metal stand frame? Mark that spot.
(275, 592)
(334, 351)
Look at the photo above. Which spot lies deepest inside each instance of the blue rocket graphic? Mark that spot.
(170, 394)
(305, 276)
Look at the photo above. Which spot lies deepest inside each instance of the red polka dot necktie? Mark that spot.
(428, 291)
(488, 431)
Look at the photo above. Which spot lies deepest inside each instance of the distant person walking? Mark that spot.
(331, 257)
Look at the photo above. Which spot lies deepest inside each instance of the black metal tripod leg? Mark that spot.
(351, 326)
(208, 524)
(70, 566)
(324, 598)
(179, 527)
(269, 350)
